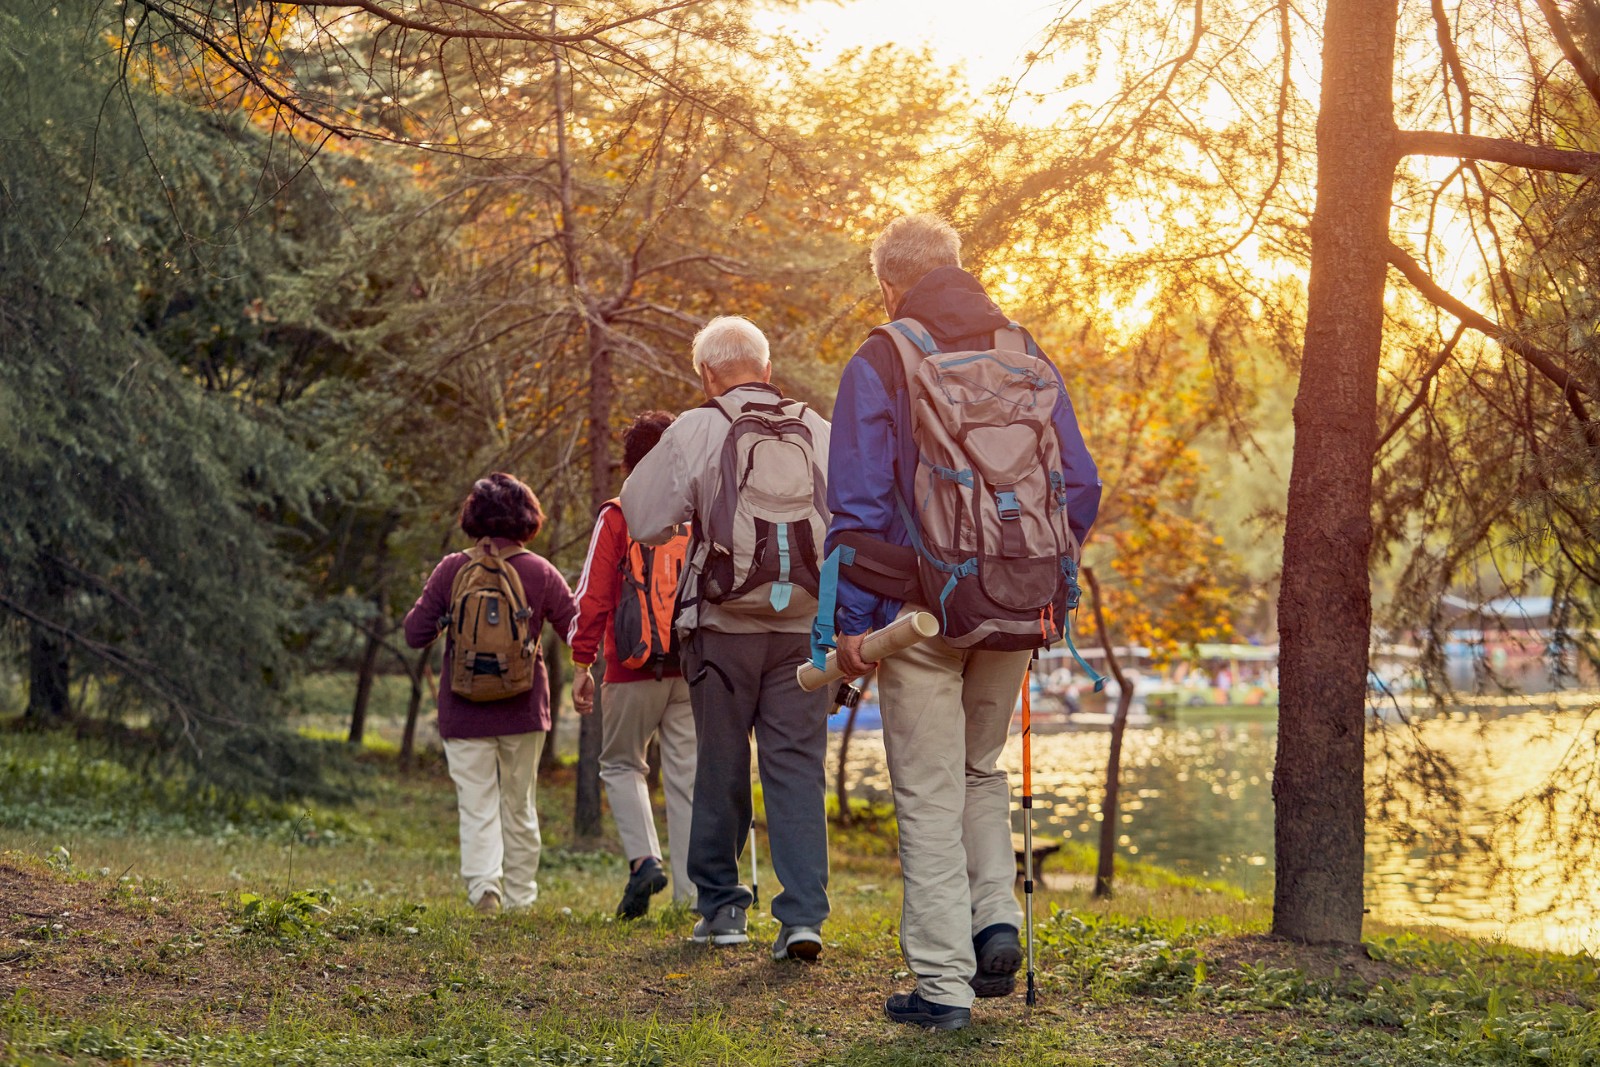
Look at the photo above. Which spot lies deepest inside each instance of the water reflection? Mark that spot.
(1198, 799)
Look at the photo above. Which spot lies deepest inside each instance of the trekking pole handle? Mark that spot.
(898, 636)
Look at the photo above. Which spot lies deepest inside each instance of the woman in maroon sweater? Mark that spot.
(493, 747)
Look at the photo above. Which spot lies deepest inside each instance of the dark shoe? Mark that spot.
(911, 1008)
(726, 927)
(999, 958)
(797, 943)
(643, 884)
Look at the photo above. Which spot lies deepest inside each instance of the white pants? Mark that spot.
(946, 712)
(495, 779)
(632, 711)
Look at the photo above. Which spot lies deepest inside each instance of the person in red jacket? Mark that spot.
(492, 747)
(636, 705)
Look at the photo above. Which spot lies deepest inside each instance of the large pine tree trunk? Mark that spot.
(1325, 606)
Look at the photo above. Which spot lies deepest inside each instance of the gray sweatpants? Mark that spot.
(747, 685)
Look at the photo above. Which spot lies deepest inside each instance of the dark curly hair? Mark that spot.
(642, 434)
(501, 506)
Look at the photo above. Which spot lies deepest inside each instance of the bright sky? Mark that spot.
(988, 37)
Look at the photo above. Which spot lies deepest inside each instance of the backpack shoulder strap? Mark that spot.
(912, 342)
(729, 410)
(1011, 339)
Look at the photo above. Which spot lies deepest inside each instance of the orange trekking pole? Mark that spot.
(1027, 818)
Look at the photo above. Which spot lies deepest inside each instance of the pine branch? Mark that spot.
(1494, 150)
(1542, 360)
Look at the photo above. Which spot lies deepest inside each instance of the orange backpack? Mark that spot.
(646, 600)
(492, 643)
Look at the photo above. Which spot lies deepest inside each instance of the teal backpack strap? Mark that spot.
(1099, 679)
(1069, 571)
(823, 631)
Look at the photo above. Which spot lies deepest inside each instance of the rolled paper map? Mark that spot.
(899, 635)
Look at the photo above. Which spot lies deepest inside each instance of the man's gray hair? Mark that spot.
(911, 246)
(730, 341)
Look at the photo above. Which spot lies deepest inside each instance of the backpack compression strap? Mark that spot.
(823, 632)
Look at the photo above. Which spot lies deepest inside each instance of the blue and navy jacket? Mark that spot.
(872, 450)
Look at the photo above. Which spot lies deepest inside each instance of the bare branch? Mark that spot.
(1540, 359)
(1452, 62)
(1494, 150)
(1569, 48)
(1422, 388)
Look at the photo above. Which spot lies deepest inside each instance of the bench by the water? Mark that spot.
(1042, 847)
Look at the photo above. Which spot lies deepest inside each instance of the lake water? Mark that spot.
(1198, 799)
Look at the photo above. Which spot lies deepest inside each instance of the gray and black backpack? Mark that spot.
(759, 549)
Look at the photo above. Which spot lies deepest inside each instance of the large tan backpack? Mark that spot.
(758, 548)
(492, 644)
(997, 559)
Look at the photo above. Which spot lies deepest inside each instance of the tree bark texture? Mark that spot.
(1325, 605)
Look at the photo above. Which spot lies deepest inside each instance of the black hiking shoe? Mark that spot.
(911, 1009)
(999, 956)
(643, 884)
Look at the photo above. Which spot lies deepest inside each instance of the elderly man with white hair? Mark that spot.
(745, 607)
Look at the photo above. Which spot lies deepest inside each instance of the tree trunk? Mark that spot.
(841, 785)
(49, 672)
(1106, 862)
(408, 740)
(375, 634)
(364, 677)
(586, 820)
(586, 809)
(1325, 605)
(49, 658)
(552, 665)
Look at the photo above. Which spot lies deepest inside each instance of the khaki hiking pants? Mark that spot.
(632, 712)
(946, 713)
(494, 779)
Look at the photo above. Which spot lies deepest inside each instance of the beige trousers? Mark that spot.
(495, 779)
(632, 712)
(946, 713)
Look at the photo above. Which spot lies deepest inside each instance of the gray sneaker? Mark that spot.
(797, 943)
(725, 927)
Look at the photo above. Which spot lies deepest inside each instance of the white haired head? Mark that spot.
(729, 345)
(911, 246)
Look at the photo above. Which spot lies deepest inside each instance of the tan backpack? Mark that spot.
(492, 644)
(997, 558)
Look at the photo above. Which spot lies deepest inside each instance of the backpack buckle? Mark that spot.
(1006, 502)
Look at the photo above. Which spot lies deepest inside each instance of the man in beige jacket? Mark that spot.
(745, 614)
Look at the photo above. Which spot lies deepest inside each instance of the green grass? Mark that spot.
(142, 924)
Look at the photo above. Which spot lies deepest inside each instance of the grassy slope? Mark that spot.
(140, 923)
